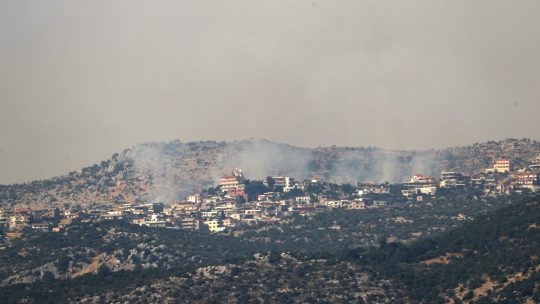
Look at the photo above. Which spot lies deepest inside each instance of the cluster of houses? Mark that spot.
(497, 180)
(231, 207)
(503, 179)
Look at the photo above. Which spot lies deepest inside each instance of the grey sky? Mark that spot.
(80, 80)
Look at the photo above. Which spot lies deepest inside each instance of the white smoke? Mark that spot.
(261, 158)
(174, 169)
(156, 162)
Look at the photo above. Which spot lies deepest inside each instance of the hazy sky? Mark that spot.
(80, 80)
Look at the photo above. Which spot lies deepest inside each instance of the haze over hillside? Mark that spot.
(170, 170)
(272, 151)
(81, 81)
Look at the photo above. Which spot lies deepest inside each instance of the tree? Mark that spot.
(47, 277)
(103, 271)
(274, 257)
(347, 188)
(270, 182)
(254, 188)
(63, 264)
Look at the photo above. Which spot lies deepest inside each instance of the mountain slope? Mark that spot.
(83, 247)
(168, 171)
(493, 259)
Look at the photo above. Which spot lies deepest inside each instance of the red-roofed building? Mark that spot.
(233, 184)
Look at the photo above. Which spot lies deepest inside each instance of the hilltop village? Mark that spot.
(239, 203)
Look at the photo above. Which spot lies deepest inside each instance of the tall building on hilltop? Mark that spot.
(233, 184)
(500, 166)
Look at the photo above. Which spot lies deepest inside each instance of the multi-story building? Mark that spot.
(303, 199)
(18, 221)
(502, 166)
(285, 182)
(452, 179)
(525, 180)
(43, 226)
(3, 217)
(190, 223)
(535, 165)
(357, 204)
(268, 196)
(233, 184)
(195, 198)
(214, 226)
(127, 207)
(366, 188)
(419, 184)
(230, 222)
(209, 213)
(155, 220)
(186, 207)
(419, 179)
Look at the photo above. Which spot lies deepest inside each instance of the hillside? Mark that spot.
(493, 259)
(102, 256)
(124, 246)
(275, 278)
(171, 170)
